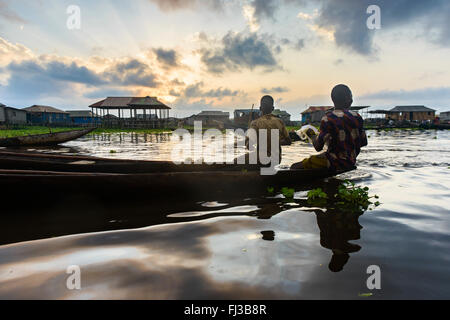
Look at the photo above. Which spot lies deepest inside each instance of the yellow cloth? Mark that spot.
(316, 162)
(270, 122)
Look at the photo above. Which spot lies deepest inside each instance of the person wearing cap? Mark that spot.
(342, 131)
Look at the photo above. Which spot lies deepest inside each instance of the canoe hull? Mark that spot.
(168, 184)
(64, 163)
(59, 175)
(44, 139)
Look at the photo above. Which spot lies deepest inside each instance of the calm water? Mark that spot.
(260, 247)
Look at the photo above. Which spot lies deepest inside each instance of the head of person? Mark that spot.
(266, 107)
(342, 96)
(338, 261)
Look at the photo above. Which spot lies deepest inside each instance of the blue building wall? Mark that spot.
(84, 120)
(306, 117)
(45, 118)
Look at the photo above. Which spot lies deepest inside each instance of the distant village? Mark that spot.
(149, 112)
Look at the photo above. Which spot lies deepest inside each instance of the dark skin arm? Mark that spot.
(318, 146)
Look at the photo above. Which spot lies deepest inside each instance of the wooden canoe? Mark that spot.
(60, 174)
(44, 139)
(159, 184)
(67, 163)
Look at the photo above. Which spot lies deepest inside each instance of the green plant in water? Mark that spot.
(316, 194)
(288, 193)
(348, 196)
(317, 197)
(270, 190)
(112, 151)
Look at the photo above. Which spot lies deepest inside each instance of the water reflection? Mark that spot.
(266, 247)
(336, 229)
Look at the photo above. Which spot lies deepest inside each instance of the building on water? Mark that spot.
(209, 118)
(83, 117)
(283, 115)
(408, 113)
(44, 115)
(444, 117)
(12, 116)
(412, 113)
(132, 112)
(242, 117)
(314, 114)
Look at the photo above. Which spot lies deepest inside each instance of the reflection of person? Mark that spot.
(336, 229)
(342, 130)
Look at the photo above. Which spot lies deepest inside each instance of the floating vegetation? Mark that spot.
(112, 151)
(317, 197)
(270, 190)
(288, 193)
(348, 197)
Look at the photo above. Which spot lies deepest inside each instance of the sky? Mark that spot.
(223, 55)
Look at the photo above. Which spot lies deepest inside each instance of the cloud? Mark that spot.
(108, 92)
(177, 82)
(171, 5)
(346, 19)
(168, 58)
(8, 14)
(174, 5)
(196, 90)
(267, 9)
(45, 78)
(418, 95)
(132, 73)
(264, 8)
(300, 44)
(274, 90)
(10, 51)
(240, 51)
(249, 15)
(54, 71)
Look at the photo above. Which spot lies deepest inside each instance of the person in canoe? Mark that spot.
(268, 122)
(342, 131)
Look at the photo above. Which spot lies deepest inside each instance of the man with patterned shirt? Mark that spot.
(342, 131)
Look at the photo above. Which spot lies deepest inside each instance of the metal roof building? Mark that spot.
(132, 111)
(411, 109)
(42, 109)
(38, 114)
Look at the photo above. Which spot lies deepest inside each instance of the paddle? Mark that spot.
(250, 119)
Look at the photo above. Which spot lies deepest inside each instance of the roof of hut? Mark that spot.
(411, 109)
(47, 109)
(130, 102)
